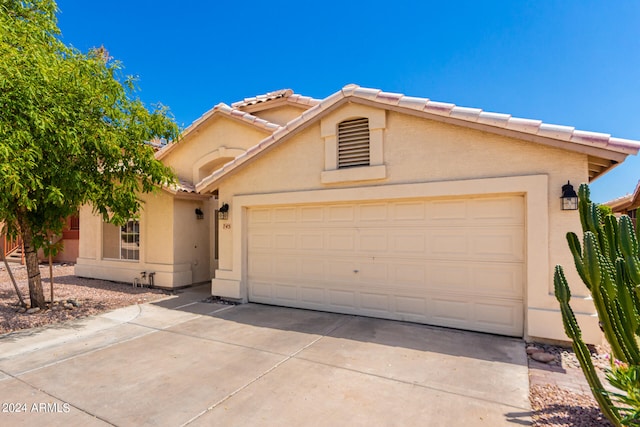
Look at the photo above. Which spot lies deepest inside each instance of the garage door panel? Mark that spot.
(415, 307)
(310, 241)
(310, 295)
(260, 216)
(311, 215)
(377, 212)
(373, 241)
(261, 265)
(261, 290)
(501, 211)
(341, 213)
(373, 273)
(341, 241)
(457, 263)
(286, 266)
(453, 211)
(448, 276)
(375, 302)
(406, 242)
(412, 275)
(404, 212)
(448, 243)
(450, 311)
(342, 298)
(284, 215)
(286, 292)
(311, 268)
(506, 245)
(497, 315)
(337, 270)
(285, 241)
(260, 240)
(498, 280)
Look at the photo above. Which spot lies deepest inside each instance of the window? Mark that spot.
(121, 242)
(74, 222)
(353, 143)
(633, 214)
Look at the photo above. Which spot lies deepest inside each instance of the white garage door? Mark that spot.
(454, 262)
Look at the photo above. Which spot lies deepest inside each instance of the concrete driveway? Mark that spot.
(183, 362)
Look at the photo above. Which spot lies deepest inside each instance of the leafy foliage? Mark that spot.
(72, 131)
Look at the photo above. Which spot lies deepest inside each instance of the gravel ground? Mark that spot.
(559, 406)
(77, 297)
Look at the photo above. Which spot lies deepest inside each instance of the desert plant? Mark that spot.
(608, 264)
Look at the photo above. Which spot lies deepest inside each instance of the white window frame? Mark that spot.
(120, 248)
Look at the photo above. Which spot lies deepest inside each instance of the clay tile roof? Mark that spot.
(497, 120)
(184, 187)
(620, 204)
(277, 94)
(225, 110)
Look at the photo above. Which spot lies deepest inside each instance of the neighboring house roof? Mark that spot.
(603, 151)
(625, 203)
(283, 94)
(222, 109)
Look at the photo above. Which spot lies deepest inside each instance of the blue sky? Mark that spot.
(567, 62)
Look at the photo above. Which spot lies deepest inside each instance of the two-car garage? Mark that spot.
(457, 262)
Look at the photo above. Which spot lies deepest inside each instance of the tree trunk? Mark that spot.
(36, 295)
(13, 280)
(51, 276)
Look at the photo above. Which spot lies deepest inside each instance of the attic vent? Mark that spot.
(353, 143)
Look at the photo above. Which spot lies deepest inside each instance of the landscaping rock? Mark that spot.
(543, 357)
(33, 310)
(532, 350)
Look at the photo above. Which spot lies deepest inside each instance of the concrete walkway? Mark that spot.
(183, 362)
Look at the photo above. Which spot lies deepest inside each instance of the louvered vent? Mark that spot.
(353, 143)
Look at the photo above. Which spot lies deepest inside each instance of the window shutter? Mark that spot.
(353, 143)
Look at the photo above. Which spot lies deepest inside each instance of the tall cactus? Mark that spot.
(608, 264)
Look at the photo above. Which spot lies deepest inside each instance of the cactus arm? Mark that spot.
(611, 231)
(629, 249)
(606, 314)
(599, 393)
(572, 329)
(576, 251)
(593, 269)
(628, 240)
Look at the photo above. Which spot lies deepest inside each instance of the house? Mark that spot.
(627, 205)
(367, 203)
(13, 251)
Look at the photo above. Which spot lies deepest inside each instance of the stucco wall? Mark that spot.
(417, 150)
(279, 115)
(156, 246)
(191, 243)
(204, 141)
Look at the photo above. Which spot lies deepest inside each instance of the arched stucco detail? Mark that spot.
(212, 158)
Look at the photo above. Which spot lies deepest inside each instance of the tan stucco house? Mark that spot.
(367, 203)
(627, 205)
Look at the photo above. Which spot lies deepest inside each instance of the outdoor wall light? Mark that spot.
(569, 198)
(223, 212)
(199, 213)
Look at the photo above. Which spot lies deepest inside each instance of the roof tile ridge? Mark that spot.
(500, 120)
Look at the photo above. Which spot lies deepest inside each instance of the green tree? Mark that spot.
(72, 132)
